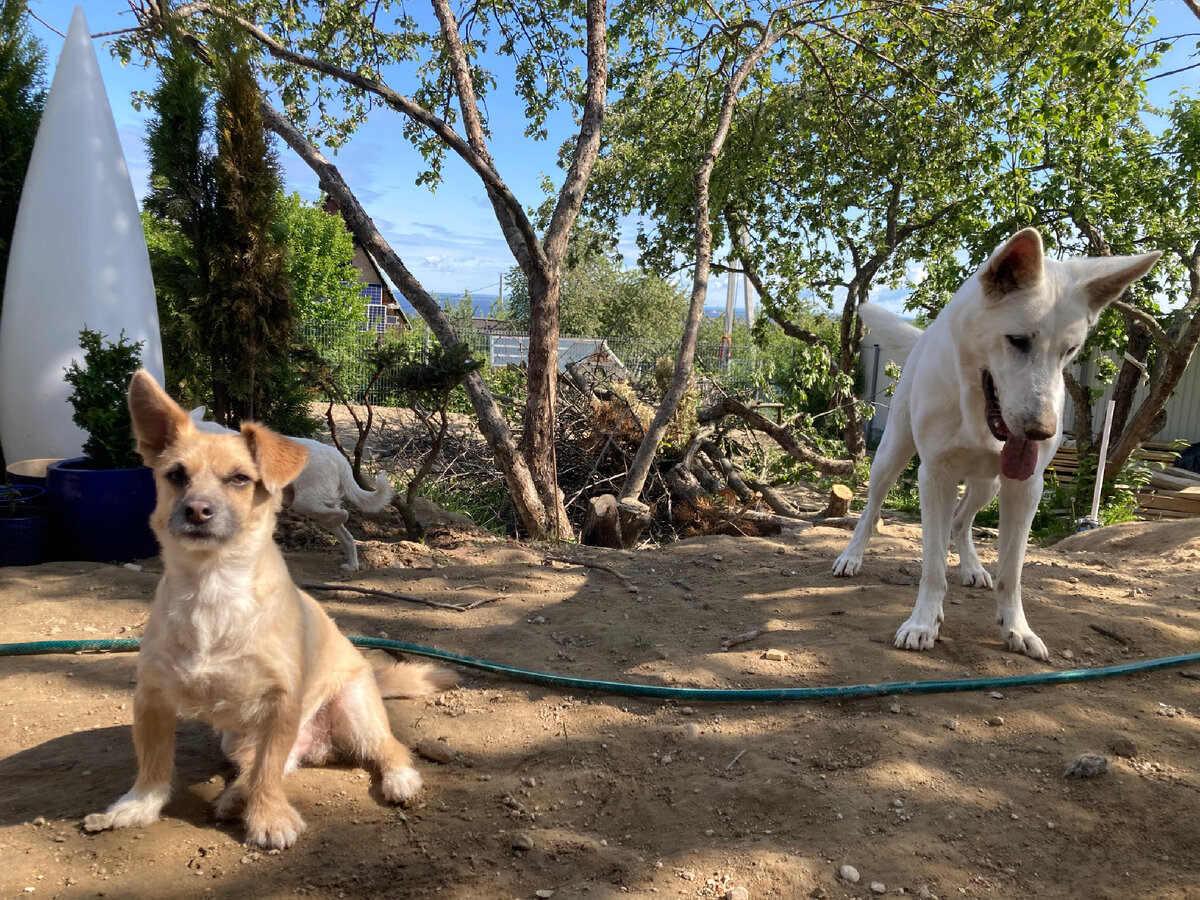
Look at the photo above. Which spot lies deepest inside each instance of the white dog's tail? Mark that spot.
(367, 501)
(894, 336)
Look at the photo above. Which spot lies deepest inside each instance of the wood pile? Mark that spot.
(1172, 492)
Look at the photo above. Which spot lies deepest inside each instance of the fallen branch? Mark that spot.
(625, 579)
(1110, 633)
(745, 637)
(390, 595)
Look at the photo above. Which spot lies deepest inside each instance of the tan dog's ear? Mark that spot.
(1016, 264)
(280, 460)
(157, 419)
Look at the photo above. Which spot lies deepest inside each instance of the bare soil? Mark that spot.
(591, 795)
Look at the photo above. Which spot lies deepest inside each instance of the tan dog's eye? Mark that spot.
(239, 480)
(177, 475)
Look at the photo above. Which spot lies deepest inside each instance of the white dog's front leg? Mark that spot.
(937, 488)
(1018, 503)
(895, 450)
(979, 494)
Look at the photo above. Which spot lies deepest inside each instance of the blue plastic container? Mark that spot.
(100, 515)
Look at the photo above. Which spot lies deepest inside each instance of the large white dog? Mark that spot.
(981, 400)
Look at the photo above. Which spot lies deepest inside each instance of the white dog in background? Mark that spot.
(319, 489)
(981, 401)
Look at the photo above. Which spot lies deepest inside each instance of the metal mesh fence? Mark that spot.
(715, 363)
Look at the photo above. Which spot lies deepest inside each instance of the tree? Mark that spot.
(601, 298)
(179, 218)
(329, 59)
(319, 257)
(22, 96)
(252, 316)
(863, 131)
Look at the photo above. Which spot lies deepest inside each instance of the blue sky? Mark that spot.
(449, 239)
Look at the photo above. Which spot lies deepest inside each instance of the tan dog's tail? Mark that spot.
(413, 680)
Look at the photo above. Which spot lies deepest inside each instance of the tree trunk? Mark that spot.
(639, 470)
(839, 502)
(1137, 346)
(613, 523)
(527, 500)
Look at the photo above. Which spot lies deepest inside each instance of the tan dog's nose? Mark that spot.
(198, 512)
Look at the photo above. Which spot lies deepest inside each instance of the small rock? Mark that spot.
(97, 822)
(522, 842)
(39, 821)
(1067, 654)
(775, 655)
(435, 750)
(737, 893)
(897, 803)
(894, 709)
(924, 893)
(878, 887)
(538, 620)
(996, 721)
(1087, 765)
(817, 893)
(950, 724)
(848, 873)
(544, 894)
(691, 731)
(996, 695)
(1125, 748)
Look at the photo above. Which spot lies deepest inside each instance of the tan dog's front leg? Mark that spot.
(154, 743)
(271, 821)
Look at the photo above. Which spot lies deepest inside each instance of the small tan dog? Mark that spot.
(233, 642)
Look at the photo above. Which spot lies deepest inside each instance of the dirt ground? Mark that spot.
(591, 795)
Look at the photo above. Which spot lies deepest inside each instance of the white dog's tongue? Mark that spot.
(1018, 459)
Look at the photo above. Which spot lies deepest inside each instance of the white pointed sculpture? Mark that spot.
(78, 257)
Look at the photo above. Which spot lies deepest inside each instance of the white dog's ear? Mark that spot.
(1108, 276)
(157, 419)
(280, 460)
(1015, 265)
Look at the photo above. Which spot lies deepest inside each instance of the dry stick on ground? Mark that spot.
(409, 598)
(745, 637)
(624, 579)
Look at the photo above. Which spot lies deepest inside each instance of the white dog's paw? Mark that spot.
(346, 567)
(401, 784)
(138, 808)
(847, 564)
(915, 636)
(975, 576)
(1025, 641)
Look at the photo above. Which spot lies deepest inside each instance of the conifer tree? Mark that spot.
(22, 96)
(180, 218)
(253, 315)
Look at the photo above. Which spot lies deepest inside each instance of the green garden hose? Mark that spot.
(692, 695)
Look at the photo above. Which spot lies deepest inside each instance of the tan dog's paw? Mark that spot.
(138, 808)
(274, 826)
(229, 803)
(401, 784)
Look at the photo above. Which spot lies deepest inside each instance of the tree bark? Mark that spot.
(526, 498)
(639, 470)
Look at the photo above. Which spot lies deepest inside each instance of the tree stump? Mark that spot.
(613, 523)
(839, 502)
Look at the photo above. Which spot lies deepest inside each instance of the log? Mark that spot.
(840, 496)
(617, 524)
